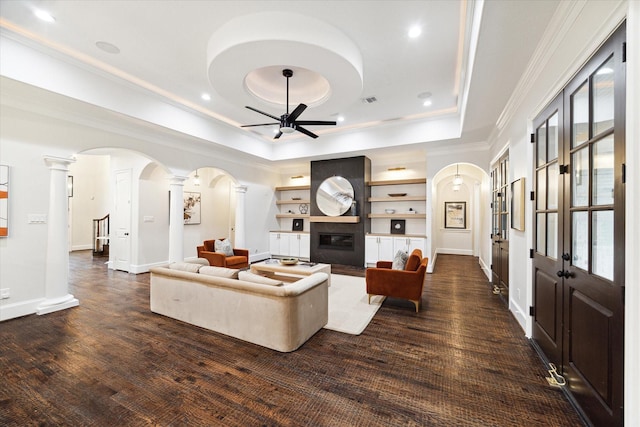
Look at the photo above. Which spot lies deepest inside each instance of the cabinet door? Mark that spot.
(370, 249)
(416, 243)
(285, 244)
(274, 243)
(400, 244)
(385, 248)
(305, 245)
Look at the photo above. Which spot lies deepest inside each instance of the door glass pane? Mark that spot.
(541, 197)
(552, 143)
(505, 226)
(552, 235)
(580, 177)
(603, 171)
(552, 186)
(580, 115)
(602, 249)
(541, 233)
(580, 240)
(542, 144)
(603, 98)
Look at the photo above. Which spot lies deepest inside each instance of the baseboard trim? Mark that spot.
(485, 268)
(19, 309)
(81, 248)
(453, 251)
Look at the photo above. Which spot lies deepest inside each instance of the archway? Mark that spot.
(461, 216)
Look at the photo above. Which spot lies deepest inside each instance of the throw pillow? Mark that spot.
(224, 247)
(255, 278)
(399, 261)
(185, 266)
(229, 273)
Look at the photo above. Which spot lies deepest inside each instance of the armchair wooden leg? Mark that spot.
(369, 298)
(417, 304)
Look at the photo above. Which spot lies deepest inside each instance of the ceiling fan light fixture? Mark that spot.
(287, 129)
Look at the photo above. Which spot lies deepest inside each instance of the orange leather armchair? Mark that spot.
(406, 284)
(240, 258)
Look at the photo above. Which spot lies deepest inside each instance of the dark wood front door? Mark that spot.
(578, 262)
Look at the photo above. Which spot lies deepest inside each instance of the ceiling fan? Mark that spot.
(288, 122)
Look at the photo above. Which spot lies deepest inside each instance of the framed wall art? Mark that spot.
(191, 208)
(298, 224)
(455, 215)
(397, 226)
(4, 200)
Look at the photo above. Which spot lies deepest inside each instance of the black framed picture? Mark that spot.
(455, 215)
(397, 226)
(298, 224)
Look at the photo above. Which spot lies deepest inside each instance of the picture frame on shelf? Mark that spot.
(398, 226)
(298, 224)
(455, 215)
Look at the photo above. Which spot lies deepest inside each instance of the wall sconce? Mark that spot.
(70, 186)
(196, 179)
(297, 177)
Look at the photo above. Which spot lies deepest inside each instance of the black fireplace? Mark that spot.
(337, 241)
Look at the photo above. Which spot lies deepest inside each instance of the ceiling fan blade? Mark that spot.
(306, 132)
(261, 124)
(263, 113)
(278, 135)
(314, 122)
(295, 113)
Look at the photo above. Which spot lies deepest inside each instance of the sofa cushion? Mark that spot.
(224, 247)
(229, 273)
(201, 261)
(185, 266)
(414, 260)
(400, 260)
(247, 276)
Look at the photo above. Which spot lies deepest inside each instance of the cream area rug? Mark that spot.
(349, 311)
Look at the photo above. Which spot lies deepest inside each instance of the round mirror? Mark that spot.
(334, 196)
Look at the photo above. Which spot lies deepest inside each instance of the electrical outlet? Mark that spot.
(4, 293)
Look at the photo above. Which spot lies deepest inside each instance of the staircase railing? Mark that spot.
(101, 236)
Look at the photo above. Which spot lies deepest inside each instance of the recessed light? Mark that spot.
(205, 97)
(427, 103)
(340, 119)
(414, 32)
(44, 15)
(424, 95)
(108, 47)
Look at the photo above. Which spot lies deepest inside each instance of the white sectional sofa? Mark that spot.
(278, 317)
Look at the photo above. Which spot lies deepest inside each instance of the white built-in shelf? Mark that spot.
(398, 199)
(294, 187)
(292, 202)
(398, 216)
(398, 182)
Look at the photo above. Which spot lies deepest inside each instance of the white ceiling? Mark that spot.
(469, 56)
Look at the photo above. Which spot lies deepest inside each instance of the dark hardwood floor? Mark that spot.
(461, 361)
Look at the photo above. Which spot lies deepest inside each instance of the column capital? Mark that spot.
(241, 188)
(177, 180)
(58, 163)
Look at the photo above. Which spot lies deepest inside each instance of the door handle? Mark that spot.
(564, 273)
(126, 234)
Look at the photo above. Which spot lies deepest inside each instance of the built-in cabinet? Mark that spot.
(408, 200)
(293, 204)
(384, 247)
(289, 244)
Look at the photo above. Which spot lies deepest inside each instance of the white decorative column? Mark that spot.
(176, 219)
(57, 296)
(241, 191)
